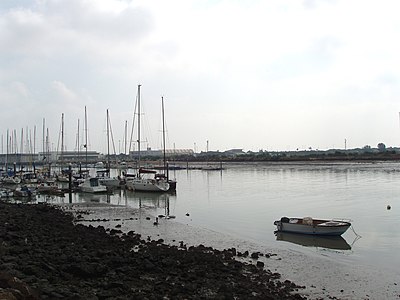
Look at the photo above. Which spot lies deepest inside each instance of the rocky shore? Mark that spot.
(43, 255)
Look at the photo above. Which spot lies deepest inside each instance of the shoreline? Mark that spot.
(45, 256)
(297, 274)
(321, 275)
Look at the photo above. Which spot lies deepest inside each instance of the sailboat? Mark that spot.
(171, 182)
(104, 175)
(143, 181)
(62, 176)
(90, 184)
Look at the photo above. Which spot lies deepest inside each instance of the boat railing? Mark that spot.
(342, 220)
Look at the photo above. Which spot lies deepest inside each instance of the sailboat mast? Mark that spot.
(7, 145)
(163, 129)
(78, 145)
(62, 139)
(48, 150)
(44, 138)
(34, 147)
(34, 140)
(86, 138)
(138, 126)
(108, 143)
(126, 135)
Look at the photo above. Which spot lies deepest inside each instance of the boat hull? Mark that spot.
(147, 185)
(11, 180)
(172, 185)
(317, 227)
(93, 190)
(110, 182)
(92, 185)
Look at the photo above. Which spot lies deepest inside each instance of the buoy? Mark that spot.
(388, 207)
(187, 214)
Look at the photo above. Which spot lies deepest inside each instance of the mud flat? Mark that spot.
(115, 252)
(322, 276)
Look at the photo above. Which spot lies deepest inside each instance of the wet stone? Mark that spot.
(67, 261)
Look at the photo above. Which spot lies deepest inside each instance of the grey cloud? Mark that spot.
(313, 4)
(326, 46)
(131, 23)
(52, 26)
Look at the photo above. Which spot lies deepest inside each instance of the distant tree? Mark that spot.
(381, 147)
(367, 149)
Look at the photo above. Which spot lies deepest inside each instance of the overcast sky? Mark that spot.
(272, 75)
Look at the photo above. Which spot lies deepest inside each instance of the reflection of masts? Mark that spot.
(167, 206)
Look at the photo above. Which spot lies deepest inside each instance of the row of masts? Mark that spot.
(20, 144)
(30, 147)
(12, 142)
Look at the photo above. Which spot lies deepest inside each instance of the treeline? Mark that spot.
(338, 155)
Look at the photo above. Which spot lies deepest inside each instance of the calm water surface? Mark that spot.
(244, 200)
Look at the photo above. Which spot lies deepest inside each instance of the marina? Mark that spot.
(199, 150)
(236, 207)
(243, 200)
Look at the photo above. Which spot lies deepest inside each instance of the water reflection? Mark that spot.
(120, 197)
(330, 242)
(99, 198)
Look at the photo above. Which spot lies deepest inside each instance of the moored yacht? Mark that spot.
(92, 185)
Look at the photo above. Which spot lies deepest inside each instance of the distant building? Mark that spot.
(18, 158)
(70, 156)
(159, 153)
(234, 152)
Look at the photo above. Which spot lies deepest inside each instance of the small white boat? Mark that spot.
(29, 178)
(92, 185)
(99, 164)
(24, 191)
(106, 180)
(11, 180)
(5, 193)
(312, 226)
(62, 178)
(146, 184)
(48, 188)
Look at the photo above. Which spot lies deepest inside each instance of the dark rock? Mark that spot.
(55, 259)
(254, 255)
